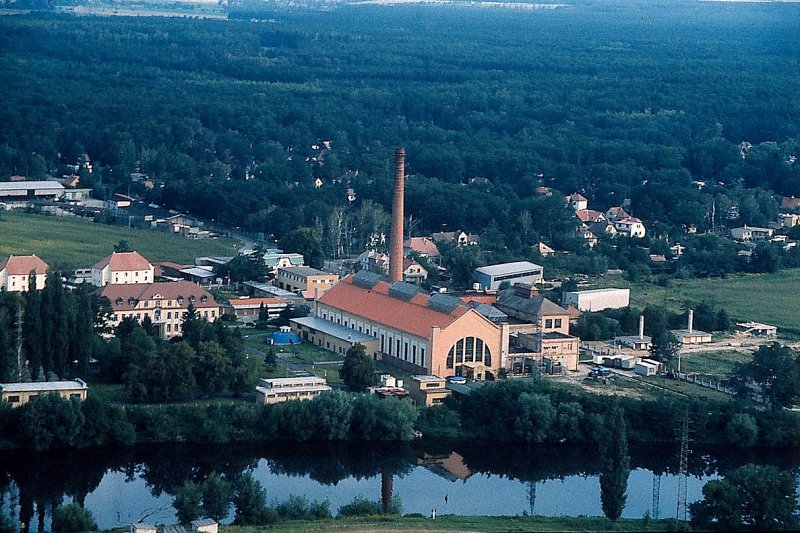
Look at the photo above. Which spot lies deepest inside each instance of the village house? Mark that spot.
(590, 216)
(424, 246)
(543, 249)
(578, 202)
(751, 233)
(583, 232)
(121, 268)
(630, 227)
(15, 272)
(413, 272)
(459, 238)
(166, 304)
(424, 334)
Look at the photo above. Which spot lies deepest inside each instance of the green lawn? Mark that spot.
(715, 365)
(769, 298)
(66, 243)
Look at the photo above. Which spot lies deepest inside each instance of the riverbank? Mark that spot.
(375, 524)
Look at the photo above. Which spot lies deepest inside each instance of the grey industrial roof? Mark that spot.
(200, 272)
(43, 386)
(27, 185)
(303, 271)
(334, 330)
(507, 268)
(272, 289)
(538, 305)
(204, 522)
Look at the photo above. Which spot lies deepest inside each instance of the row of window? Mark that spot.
(469, 350)
(179, 300)
(550, 323)
(391, 347)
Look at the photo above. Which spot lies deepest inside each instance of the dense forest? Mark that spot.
(235, 119)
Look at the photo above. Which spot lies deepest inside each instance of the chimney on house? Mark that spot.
(526, 290)
(691, 320)
(641, 327)
(396, 238)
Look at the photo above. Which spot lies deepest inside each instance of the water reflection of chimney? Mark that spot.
(387, 485)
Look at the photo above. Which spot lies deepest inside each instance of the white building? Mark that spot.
(16, 270)
(122, 268)
(630, 227)
(597, 299)
(278, 390)
(751, 233)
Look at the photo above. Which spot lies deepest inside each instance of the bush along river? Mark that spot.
(126, 485)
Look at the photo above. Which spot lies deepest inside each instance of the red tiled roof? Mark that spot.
(168, 264)
(170, 290)
(423, 245)
(480, 298)
(376, 305)
(254, 302)
(21, 265)
(124, 261)
(790, 202)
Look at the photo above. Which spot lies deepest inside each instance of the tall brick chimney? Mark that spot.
(396, 237)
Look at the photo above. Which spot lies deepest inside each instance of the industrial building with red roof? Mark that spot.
(424, 334)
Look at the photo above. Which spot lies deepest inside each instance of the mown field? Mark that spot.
(66, 243)
(769, 298)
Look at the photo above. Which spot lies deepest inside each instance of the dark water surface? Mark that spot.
(128, 485)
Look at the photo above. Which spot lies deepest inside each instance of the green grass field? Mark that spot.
(718, 365)
(66, 243)
(769, 298)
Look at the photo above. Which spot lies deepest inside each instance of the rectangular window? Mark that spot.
(13, 399)
(397, 351)
(383, 338)
(558, 322)
(422, 356)
(405, 351)
(169, 327)
(414, 354)
(548, 323)
(75, 396)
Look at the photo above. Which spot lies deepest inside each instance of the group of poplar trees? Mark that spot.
(46, 334)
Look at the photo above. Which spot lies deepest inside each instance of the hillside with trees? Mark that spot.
(234, 120)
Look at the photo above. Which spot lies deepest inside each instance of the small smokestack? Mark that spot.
(691, 320)
(396, 238)
(641, 327)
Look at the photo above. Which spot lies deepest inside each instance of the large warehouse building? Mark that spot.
(492, 276)
(597, 299)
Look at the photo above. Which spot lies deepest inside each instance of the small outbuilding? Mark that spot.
(205, 525)
(647, 367)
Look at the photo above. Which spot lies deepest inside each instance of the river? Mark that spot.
(121, 486)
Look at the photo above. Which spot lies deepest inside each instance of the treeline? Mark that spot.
(57, 331)
(523, 411)
(51, 422)
(230, 116)
(539, 412)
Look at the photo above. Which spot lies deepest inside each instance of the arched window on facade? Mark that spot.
(469, 350)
